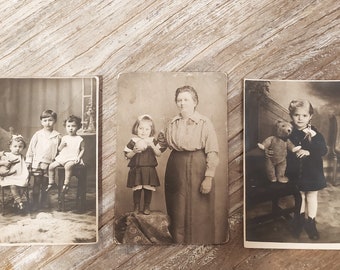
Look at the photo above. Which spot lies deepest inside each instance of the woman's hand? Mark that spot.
(302, 153)
(206, 185)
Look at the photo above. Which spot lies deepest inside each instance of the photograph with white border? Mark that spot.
(291, 168)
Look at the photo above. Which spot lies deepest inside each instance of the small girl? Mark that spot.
(18, 178)
(305, 166)
(40, 153)
(142, 151)
(71, 151)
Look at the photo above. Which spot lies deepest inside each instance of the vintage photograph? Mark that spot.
(172, 178)
(291, 176)
(49, 160)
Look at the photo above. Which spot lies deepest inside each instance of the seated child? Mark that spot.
(18, 175)
(6, 163)
(71, 151)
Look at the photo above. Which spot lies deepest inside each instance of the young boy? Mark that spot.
(41, 152)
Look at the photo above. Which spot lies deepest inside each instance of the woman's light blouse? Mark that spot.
(192, 134)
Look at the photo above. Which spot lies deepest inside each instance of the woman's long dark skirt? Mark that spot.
(191, 212)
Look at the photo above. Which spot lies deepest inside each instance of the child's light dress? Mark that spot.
(71, 151)
(20, 178)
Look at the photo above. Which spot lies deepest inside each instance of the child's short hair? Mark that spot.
(144, 117)
(17, 138)
(294, 104)
(48, 113)
(74, 119)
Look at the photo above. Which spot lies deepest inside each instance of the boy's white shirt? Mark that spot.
(135, 140)
(41, 149)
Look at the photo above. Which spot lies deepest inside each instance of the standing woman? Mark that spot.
(189, 187)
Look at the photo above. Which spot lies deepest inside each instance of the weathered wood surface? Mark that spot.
(253, 39)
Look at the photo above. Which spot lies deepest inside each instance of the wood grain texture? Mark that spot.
(246, 39)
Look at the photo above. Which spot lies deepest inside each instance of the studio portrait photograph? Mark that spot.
(49, 160)
(291, 168)
(172, 177)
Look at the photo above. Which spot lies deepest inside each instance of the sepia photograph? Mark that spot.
(291, 168)
(49, 160)
(172, 176)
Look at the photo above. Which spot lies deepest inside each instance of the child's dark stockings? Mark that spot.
(147, 200)
(39, 192)
(136, 200)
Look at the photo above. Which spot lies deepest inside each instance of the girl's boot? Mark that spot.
(298, 224)
(146, 209)
(147, 201)
(136, 200)
(136, 208)
(310, 227)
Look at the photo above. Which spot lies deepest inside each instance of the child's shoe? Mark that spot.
(147, 209)
(298, 224)
(136, 209)
(310, 227)
(20, 206)
(65, 188)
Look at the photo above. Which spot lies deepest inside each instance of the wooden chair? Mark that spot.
(259, 190)
(3, 198)
(80, 172)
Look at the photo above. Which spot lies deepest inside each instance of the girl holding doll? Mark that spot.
(17, 179)
(141, 151)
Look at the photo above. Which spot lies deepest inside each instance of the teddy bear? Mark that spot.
(7, 170)
(275, 148)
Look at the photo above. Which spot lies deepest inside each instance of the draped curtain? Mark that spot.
(23, 100)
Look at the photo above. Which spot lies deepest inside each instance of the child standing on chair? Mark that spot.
(17, 179)
(41, 152)
(305, 166)
(142, 151)
(71, 151)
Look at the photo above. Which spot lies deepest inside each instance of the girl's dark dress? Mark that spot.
(307, 172)
(142, 167)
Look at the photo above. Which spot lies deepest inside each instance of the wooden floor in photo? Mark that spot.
(259, 39)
